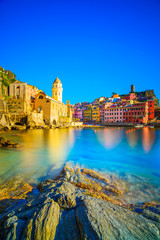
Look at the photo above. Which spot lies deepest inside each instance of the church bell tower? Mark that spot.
(57, 90)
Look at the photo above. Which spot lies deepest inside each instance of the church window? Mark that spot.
(17, 92)
(39, 109)
(40, 97)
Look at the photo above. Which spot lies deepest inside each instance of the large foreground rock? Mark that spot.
(64, 211)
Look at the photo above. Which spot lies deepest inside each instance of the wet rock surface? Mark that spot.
(14, 189)
(79, 204)
(8, 144)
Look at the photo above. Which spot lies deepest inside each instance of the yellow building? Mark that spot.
(20, 96)
(87, 114)
(26, 100)
(91, 114)
(54, 111)
(115, 95)
(95, 114)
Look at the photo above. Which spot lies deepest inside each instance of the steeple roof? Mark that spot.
(57, 80)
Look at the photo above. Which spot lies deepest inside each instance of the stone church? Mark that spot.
(54, 110)
(27, 100)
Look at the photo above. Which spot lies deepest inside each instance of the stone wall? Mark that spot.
(3, 106)
(18, 106)
(4, 120)
(37, 118)
(9, 119)
(63, 120)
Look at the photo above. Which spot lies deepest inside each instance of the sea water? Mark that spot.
(129, 153)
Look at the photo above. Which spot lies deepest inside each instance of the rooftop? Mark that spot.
(57, 80)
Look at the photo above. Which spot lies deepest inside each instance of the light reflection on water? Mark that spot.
(148, 139)
(132, 137)
(130, 153)
(109, 138)
(43, 154)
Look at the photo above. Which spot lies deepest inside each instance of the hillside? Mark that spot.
(6, 77)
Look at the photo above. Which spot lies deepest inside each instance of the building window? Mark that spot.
(17, 92)
(40, 97)
(39, 109)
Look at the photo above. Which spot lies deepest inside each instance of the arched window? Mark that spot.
(39, 109)
(40, 97)
(18, 92)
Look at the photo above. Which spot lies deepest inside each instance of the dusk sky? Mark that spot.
(94, 47)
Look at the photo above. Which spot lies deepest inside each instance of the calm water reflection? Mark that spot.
(43, 154)
(130, 153)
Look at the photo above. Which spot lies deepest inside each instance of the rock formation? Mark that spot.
(79, 204)
(8, 144)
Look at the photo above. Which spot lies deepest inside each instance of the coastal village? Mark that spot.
(24, 105)
(80, 120)
(79, 203)
(131, 108)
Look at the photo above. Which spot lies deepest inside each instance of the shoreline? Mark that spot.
(5, 128)
(82, 126)
(94, 200)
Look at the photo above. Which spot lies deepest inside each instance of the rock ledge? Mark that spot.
(79, 204)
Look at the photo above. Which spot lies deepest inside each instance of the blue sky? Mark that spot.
(94, 47)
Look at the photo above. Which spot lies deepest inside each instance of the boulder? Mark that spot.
(18, 127)
(44, 222)
(8, 144)
(64, 210)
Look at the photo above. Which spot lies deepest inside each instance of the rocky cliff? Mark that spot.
(78, 204)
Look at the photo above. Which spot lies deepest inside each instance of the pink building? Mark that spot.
(102, 109)
(132, 113)
(113, 114)
(78, 114)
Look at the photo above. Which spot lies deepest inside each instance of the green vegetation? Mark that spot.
(6, 77)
